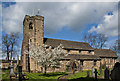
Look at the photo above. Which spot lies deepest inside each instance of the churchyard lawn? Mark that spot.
(54, 76)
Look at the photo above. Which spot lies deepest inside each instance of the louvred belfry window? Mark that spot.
(30, 25)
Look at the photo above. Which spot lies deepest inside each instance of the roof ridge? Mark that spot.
(101, 49)
(67, 40)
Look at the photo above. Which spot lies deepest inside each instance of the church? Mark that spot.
(81, 53)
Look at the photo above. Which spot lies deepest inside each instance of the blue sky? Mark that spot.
(67, 21)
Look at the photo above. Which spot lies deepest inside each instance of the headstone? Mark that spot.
(80, 68)
(12, 74)
(115, 73)
(106, 74)
(93, 72)
(42, 69)
(88, 74)
(20, 73)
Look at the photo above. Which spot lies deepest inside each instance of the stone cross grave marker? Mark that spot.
(96, 74)
(12, 74)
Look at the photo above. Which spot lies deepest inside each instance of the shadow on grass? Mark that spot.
(87, 79)
(32, 80)
(53, 74)
(78, 79)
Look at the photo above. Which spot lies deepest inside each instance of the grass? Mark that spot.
(80, 74)
(38, 76)
(54, 76)
(42, 76)
(5, 76)
(87, 79)
(84, 74)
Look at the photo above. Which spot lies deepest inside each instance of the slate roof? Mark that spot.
(105, 53)
(82, 57)
(67, 44)
(80, 46)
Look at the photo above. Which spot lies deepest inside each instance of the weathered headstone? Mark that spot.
(81, 67)
(88, 74)
(12, 74)
(106, 74)
(115, 73)
(93, 72)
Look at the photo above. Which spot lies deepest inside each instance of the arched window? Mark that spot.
(30, 25)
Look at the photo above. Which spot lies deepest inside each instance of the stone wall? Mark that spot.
(109, 62)
(4, 65)
(88, 64)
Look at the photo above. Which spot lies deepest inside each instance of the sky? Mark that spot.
(63, 20)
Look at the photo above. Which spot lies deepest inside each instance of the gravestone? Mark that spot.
(12, 74)
(81, 67)
(106, 74)
(115, 73)
(93, 72)
(88, 74)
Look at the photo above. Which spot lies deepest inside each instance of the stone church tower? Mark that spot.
(33, 32)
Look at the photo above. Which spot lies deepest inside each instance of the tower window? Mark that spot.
(30, 25)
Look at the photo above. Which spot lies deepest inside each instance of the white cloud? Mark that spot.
(109, 26)
(73, 15)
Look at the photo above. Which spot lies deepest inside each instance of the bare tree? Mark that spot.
(116, 47)
(95, 40)
(101, 40)
(9, 41)
(6, 44)
(14, 42)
